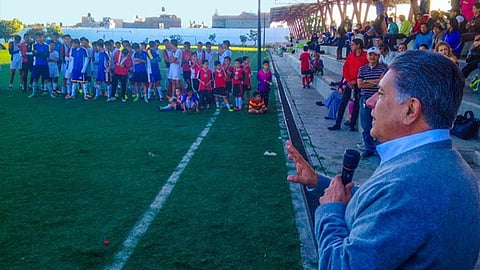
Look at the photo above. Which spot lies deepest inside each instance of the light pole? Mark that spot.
(259, 38)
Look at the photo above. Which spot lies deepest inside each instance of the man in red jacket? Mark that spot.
(356, 59)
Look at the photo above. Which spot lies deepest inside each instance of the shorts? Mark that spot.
(53, 70)
(140, 77)
(27, 66)
(78, 76)
(228, 87)
(187, 75)
(38, 71)
(237, 90)
(306, 72)
(103, 76)
(220, 92)
(174, 72)
(16, 62)
(155, 76)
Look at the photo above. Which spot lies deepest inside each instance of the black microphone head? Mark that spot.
(351, 158)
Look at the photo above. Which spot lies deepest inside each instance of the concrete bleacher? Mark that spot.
(333, 71)
(470, 149)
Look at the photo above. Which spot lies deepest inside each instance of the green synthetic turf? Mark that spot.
(75, 173)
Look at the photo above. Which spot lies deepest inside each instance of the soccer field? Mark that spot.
(167, 190)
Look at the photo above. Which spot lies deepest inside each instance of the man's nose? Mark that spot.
(371, 101)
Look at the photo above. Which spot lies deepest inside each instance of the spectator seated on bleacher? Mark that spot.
(416, 28)
(473, 57)
(424, 37)
(453, 37)
(327, 38)
(473, 26)
(438, 34)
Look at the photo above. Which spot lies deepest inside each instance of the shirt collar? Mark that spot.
(393, 148)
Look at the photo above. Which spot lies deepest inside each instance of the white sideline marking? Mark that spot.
(141, 227)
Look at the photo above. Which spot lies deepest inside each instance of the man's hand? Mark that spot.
(337, 192)
(306, 175)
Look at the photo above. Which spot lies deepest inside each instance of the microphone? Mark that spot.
(351, 158)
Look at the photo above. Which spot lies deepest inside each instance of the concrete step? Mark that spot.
(333, 71)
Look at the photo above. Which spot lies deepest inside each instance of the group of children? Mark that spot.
(97, 71)
(310, 65)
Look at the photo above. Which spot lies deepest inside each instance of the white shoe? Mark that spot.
(52, 96)
(31, 95)
(124, 100)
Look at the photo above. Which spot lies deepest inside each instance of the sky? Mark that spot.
(56, 11)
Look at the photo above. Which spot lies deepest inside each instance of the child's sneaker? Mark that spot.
(217, 109)
(135, 99)
(230, 110)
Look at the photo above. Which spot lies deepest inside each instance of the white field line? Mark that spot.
(142, 225)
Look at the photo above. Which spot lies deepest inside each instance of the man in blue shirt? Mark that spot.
(420, 208)
(424, 37)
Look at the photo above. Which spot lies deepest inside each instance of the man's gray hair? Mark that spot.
(434, 80)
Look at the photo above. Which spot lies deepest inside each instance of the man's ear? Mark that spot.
(413, 111)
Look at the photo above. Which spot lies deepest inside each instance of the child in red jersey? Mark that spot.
(247, 82)
(237, 84)
(305, 67)
(195, 69)
(219, 86)
(205, 86)
(229, 71)
(256, 105)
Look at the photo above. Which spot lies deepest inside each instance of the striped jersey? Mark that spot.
(368, 72)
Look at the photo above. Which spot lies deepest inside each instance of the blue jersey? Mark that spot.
(80, 59)
(154, 60)
(103, 62)
(140, 67)
(40, 54)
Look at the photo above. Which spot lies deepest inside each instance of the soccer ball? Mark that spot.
(80, 91)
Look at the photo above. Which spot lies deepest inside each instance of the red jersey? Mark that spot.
(352, 65)
(23, 50)
(304, 61)
(219, 78)
(205, 78)
(186, 60)
(122, 63)
(238, 76)
(253, 103)
(229, 71)
(195, 69)
(248, 76)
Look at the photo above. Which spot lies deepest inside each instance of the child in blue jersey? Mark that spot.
(40, 64)
(190, 100)
(140, 71)
(153, 71)
(79, 64)
(103, 75)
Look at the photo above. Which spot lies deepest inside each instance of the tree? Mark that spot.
(243, 39)
(253, 36)
(8, 28)
(212, 38)
(36, 28)
(177, 37)
(54, 28)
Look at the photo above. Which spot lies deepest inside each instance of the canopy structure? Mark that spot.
(306, 17)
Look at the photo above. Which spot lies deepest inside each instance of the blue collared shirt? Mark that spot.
(393, 148)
